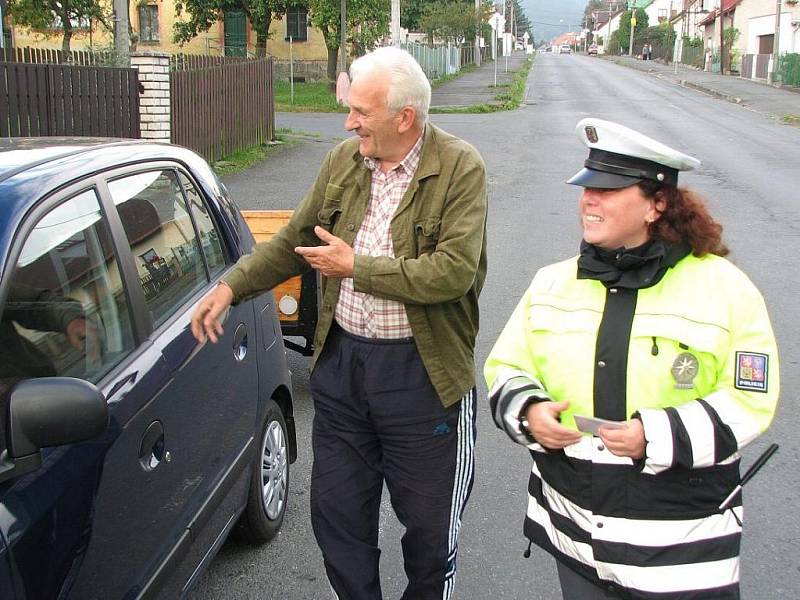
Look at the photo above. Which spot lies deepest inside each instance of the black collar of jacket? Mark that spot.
(632, 268)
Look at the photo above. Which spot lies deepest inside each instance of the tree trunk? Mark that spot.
(67, 35)
(333, 60)
(261, 38)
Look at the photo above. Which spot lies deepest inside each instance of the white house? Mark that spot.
(755, 20)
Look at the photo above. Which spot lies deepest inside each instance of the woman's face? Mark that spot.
(616, 218)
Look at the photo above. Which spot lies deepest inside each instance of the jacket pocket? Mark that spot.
(331, 206)
(680, 493)
(426, 232)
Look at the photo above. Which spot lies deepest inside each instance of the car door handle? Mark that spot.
(240, 342)
(152, 450)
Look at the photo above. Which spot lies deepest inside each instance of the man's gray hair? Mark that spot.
(408, 85)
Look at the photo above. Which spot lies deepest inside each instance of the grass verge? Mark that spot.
(508, 100)
(248, 157)
(312, 96)
(791, 120)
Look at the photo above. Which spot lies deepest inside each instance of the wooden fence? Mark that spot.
(54, 56)
(45, 99)
(188, 62)
(221, 109)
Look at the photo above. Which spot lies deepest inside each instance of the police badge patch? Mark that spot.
(684, 369)
(751, 371)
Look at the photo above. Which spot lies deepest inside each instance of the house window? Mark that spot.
(662, 14)
(148, 23)
(297, 23)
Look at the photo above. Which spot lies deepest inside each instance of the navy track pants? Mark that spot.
(377, 418)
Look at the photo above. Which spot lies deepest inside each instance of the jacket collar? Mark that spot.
(429, 163)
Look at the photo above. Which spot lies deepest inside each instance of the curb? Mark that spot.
(710, 91)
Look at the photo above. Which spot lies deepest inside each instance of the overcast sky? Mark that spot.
(546, 16)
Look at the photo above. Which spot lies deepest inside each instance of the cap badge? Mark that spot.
(591, 134)
(684, 370)
(660, 177)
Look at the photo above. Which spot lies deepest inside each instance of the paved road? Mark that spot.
(750, 177)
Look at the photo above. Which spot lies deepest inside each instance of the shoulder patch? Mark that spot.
(752, 369)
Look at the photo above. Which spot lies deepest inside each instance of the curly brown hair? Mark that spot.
(684, 218)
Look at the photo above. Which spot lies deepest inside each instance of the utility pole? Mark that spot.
(478, 33)
(633, 26)
(776, 43)
(395, 22)
(122, 39)
(721, 40)
(343, 42)
(2, 33)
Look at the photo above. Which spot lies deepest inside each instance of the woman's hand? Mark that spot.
(627, 441)
(543, 424)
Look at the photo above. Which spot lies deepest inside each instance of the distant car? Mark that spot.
(129, 450)
(592, 51)
(565, 49)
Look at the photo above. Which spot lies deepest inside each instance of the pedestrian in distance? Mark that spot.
(395, 225)
(650, 329)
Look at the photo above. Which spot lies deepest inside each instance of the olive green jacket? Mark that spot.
(439, 238)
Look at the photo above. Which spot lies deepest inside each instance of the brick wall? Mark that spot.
(154, 100)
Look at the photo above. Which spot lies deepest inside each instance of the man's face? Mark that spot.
(370, 119)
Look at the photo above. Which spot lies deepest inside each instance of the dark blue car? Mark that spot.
(129, 451)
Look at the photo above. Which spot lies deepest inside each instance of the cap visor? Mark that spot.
(590, 178)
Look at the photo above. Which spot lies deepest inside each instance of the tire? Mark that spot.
(269, 481)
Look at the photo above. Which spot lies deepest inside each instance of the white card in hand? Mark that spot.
(592, 424)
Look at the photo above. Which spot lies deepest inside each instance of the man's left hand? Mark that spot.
(336, 259)
(83, 335)
(627, 441)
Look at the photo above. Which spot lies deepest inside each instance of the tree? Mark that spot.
(63, 14)
(204, 13)
(455, 22)
(624, 30)
(367, 22)
(411, 13)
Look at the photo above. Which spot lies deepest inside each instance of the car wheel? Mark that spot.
(269, 481)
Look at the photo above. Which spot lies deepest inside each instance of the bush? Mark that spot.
(789, 69)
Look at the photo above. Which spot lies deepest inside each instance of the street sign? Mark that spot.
(497, 22)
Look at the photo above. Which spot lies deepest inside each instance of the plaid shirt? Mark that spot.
(363, 314)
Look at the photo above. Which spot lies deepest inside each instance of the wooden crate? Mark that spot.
(264, 224)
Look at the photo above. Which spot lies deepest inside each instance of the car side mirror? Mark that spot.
(49, 411)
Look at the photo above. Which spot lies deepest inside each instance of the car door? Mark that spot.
(180, 460)
(6, 577)
(64, 313)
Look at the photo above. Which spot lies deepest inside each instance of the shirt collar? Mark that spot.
(409, 162)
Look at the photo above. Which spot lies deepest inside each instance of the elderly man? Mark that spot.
(395, 225)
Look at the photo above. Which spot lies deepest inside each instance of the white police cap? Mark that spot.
(620, 157)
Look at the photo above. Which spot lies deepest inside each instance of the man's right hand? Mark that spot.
(543, 424)
(206, 317)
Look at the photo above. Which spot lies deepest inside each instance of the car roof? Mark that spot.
(32, 168)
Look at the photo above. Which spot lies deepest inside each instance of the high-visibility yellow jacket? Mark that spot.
(695, 358)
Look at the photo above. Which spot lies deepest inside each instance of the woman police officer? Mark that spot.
(649, 327)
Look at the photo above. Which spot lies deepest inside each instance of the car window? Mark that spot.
(209, 236)
(65, 312)
(162, 239)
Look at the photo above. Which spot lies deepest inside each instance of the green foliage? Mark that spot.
(789, 68)
(624, 31)
(313, 96)
(453, 22)
(411, 13)
(204, 13)
(367, 22)
(694, 42)
(42, 14)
